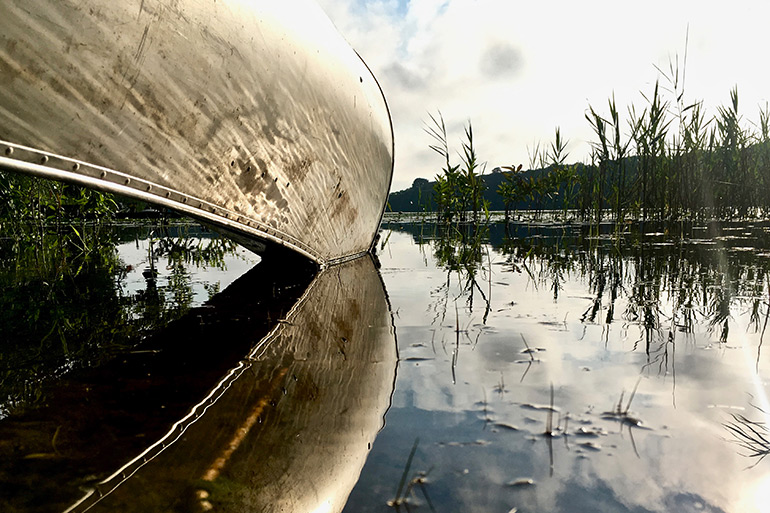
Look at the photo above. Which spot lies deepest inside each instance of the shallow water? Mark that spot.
(543, 368)
(74, 302)
(629, 338)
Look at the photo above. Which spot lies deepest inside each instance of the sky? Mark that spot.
(518, 70)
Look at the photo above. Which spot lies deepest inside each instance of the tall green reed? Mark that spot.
(459, 189)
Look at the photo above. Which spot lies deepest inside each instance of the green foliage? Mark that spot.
(515, 188)
(541, 189)
(63, 303)
(459, 189)
(28, 199)
(682, 165)
(667, 161)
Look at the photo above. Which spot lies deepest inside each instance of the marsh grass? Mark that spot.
(666, 160)
(751, 436)
(531, 360)
(406, 489)
(672, 162)
(624, 417)
(459, 188)
(549, 430)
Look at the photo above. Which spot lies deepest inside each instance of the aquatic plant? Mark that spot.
(25, 199)
(63, 305)
(667, 161)
(402, 493)
(514, 189)
(459, 189)
(751, 436)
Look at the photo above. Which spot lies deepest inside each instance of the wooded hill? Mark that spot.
(420, 196)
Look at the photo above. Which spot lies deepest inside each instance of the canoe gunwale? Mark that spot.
(18, 158)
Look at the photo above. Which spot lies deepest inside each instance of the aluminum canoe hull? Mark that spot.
(256, 117)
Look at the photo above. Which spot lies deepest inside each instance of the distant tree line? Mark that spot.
(531, 190)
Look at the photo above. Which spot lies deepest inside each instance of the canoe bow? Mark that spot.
(254, 117)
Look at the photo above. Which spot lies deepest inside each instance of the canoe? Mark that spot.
(287, 430)
(254, 117)
(241, 411)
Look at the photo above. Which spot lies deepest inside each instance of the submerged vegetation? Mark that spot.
(64, 301)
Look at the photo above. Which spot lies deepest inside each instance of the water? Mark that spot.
(73, 301)
(576, 373)
(542, 368)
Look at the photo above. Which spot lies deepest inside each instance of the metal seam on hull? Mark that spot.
(48, 165)
(342, 260)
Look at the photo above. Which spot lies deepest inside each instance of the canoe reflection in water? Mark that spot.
(287, 428)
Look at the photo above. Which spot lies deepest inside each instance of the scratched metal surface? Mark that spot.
(290, 427)
(255, 116)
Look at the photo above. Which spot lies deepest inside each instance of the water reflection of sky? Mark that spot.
(204, 278)
(477, 400)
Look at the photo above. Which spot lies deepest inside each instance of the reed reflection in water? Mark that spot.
(651, 343)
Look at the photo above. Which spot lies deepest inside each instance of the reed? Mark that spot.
(401, 492)
(751, 436)
(678, 164)
(668, 160)
(459, 189)
(26, 199)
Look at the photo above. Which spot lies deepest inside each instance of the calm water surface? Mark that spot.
(542, 368)
(575, 373)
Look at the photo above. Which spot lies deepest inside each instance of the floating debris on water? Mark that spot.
(726, 407)
(464, 444)
(521, 482)
(623, 415)
(624, 418)
(539, 407)
(591, 446)
(506, 426)
(591, 432)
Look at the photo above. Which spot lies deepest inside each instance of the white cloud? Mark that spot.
(519, 69)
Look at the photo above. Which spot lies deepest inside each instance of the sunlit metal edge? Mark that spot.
(196, 412)
(35, 162)
(392, 153)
